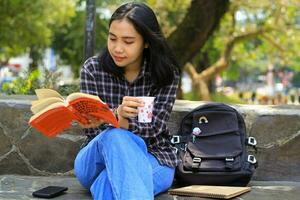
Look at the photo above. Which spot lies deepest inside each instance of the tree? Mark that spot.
(169, 13)
(188, 25)
(28, 25)
(258, 26)
(201, 20)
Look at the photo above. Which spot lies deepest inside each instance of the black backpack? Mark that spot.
(212, 144)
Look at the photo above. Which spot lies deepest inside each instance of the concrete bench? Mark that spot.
(23, 151)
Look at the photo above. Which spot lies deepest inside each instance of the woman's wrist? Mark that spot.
(118, 113)
(123, 122)
(115, 113)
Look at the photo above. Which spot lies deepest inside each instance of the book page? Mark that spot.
(85, 105)
(41, 104)
(78, 95)
(47, 93)
(50, 107)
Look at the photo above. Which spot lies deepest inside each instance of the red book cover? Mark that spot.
(53, 114)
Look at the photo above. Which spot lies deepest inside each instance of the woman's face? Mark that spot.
(125, 44)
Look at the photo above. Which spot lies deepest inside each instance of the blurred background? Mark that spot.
(238, 51)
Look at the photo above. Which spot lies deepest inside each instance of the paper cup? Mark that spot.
(145, 113)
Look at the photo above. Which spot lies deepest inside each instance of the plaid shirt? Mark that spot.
(110, 89)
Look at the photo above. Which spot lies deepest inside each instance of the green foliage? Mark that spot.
(216, 97)
(219, 97)
(190, 96)
(23, 85)
(208, 54)
(278, 45)
(69, 40)
(296, 80)
(169, 13)
(68, 89)
(26, 23)
(31, 81)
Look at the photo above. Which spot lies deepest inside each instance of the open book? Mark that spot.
(220, 192)
(53, 113)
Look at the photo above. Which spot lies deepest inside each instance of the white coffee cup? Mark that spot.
(145, 113)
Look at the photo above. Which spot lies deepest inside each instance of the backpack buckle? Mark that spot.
(229, 163)
(252, 141)
(251, 159)
(229, 159)
(196, 162)
(175, 139)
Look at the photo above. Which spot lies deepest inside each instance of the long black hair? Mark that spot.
(159, 57)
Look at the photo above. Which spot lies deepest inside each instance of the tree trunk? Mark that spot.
(200, 87)
(201, 20)
(36, 57)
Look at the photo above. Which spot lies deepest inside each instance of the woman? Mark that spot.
(137, 160)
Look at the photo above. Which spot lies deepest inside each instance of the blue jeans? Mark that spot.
(116, 165)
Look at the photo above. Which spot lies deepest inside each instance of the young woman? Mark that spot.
(136, 161)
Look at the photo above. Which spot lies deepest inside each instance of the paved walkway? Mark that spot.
(15, 187)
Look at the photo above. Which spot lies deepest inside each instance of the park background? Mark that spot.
(238, 51)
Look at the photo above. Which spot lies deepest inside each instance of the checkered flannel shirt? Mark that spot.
(94, 80)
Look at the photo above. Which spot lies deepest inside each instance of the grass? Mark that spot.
(216, 97)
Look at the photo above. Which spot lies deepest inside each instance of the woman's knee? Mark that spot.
(116, 136)
(163, 179)
(81, 175)
(81, 172)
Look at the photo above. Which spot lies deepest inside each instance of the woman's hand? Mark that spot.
(129, 107)
(92, 122)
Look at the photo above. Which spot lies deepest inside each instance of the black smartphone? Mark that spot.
(49, 192)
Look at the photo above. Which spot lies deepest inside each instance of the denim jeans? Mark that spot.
(116, 165)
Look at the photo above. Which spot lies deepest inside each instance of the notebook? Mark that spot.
(220, 192)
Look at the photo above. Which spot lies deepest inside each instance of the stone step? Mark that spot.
(15, 187)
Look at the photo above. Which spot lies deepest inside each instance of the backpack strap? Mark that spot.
(179, 142)
(251, 141)
(196, 163)
(251, 159)
(177, 139)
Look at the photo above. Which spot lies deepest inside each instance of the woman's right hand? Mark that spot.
(129, 107)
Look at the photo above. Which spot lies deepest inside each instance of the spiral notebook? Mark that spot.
(220, 192)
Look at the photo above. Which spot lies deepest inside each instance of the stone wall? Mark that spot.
(25, 151)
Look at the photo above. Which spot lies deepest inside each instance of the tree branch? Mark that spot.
(214, 69)
(222, 63)
(240, 38)
(191, 71)
(233, 21)
(272, 42)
